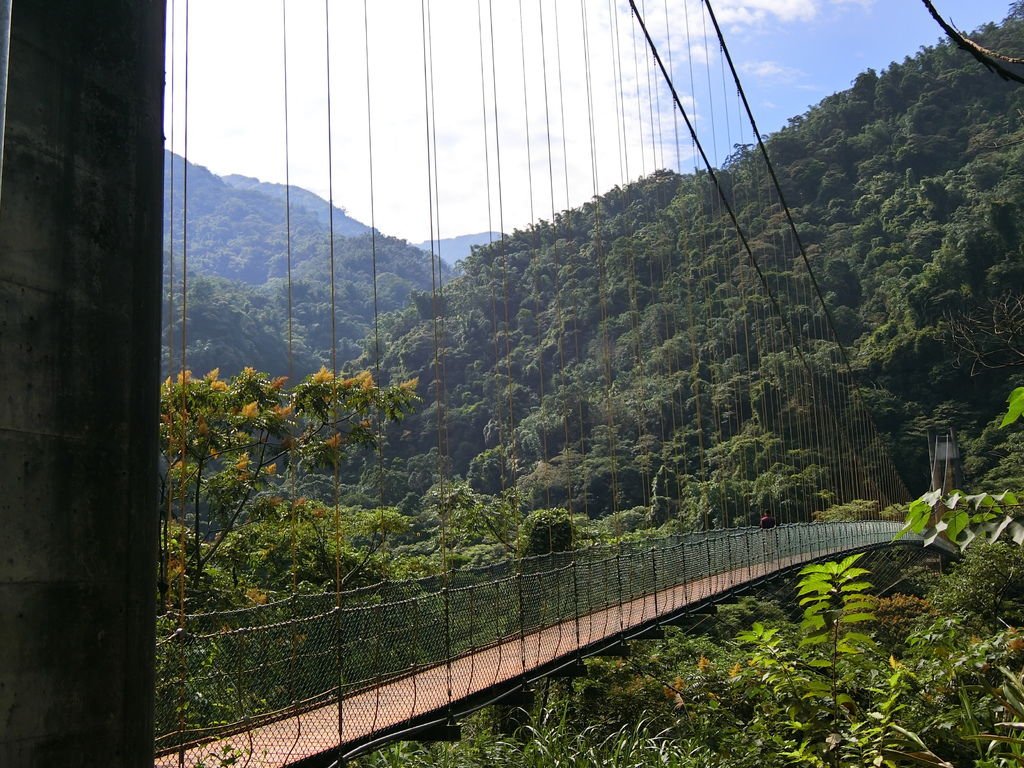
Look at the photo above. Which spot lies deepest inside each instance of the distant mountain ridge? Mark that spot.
(238, 249)
(238, 225)
(453, 249)
(344, 224)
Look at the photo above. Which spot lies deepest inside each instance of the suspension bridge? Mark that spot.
(715, 373)
(308, 682)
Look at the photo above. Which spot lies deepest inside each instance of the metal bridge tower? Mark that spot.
(80, 266)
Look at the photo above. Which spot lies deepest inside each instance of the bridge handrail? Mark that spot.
(230, 667)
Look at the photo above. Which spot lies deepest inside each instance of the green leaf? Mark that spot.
(1007, 497)
(815, 687)
(813, 569)
(1016, 403)
(846, 562)
(977, 500)
(931, 536)
(858, 637)
(818, 587)
(919, 514)
(813, 639)
(860, 605)
(857, 586)
(854, 618)
(955, 523)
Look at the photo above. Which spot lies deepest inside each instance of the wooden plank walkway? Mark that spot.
(425, 693)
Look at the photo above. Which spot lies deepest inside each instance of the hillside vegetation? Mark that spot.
(570, 353)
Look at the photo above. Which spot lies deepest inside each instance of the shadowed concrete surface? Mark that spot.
(80, 263)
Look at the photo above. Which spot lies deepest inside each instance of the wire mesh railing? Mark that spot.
(229, 672)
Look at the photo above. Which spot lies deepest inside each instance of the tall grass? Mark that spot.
(553, 744)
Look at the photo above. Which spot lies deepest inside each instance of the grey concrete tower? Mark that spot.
(80, 253)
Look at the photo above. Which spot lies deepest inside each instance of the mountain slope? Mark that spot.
(908, 189)
(344, 225)
(238, 268)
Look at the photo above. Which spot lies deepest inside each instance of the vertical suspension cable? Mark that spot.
(740, 393)
(184, 305)
(335, 392)
(653, 104)
(292, 468)
(743, 426)
(712, 292)
(498, 398)
(671, 69)
(631, 281)
(599, 251)
(777, 376)
(584, 479)
(561, 388)
(667, 362)
(437, 297)
(565, 394)
(723, 198)
(640, 106)
(696, 281)
(507, 330)
(796, 237)
(616, 75)
(379, 427)
(663, 316)
(182, 618)
(287, 194)
(753, 330)
(163, 585)
(535, 257)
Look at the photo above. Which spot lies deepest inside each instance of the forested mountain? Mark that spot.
(237, 273)
(573, 349)
(910, 187)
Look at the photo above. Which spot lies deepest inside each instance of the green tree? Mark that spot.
(985, 588)
(227, 444)
(546, 530)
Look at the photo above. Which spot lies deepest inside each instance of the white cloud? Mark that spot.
(864, 4)
(756, 12)
(771, 70)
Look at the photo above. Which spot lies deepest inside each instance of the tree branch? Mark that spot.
(989, 59)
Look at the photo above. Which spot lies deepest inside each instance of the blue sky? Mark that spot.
(486, 143)
(791, 64)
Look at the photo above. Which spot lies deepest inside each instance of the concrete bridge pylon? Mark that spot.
(80, 269)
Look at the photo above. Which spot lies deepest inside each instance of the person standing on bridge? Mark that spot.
(767, 523)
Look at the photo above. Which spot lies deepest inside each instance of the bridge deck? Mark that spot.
(427, 694)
